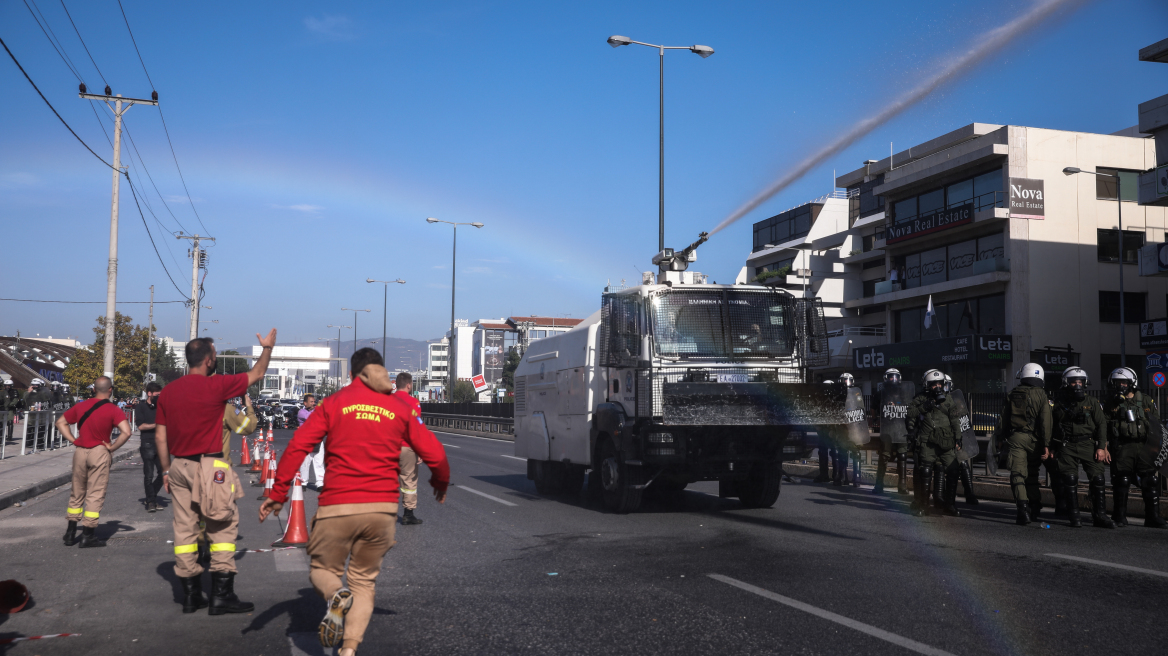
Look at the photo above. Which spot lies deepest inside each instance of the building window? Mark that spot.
(984, 316)
(868, 242)
(870, 287)
(1105, 187)
(983, 191)
(792, 224)
(1108, 245)
(949, 262)
(1134, 307)
(873, 264)
(782, 267)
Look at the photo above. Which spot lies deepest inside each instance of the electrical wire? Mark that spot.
(152, 183)
(78, 32)
(35, 300)
(155, 216)
(145, 225)
(58, 115)
(61, 49)
(162, 116)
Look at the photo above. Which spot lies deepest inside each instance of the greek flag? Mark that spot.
(930, 313)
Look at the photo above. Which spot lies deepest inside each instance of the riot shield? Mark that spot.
(856, 420)
(894, 400)
(1155, 442)
(969, 447)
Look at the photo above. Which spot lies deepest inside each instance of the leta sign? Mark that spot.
(1026, 199)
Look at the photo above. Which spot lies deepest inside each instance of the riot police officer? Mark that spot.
(935, 422)
(1132, 426)
(38, 395)
(844, 447)
(1025, 430)
(1079, 438)
(888, 449)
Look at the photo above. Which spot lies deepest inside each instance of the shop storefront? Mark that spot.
(977, 363)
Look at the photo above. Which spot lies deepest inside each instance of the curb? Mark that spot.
(8, 499)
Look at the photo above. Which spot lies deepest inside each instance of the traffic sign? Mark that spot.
(1158, 379)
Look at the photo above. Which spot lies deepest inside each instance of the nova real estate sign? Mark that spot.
(929, 223)
(967, 349)
(1026, 199)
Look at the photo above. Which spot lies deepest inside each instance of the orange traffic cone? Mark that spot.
(256, 465)
(296, 535)
(244, 454)
(264, 473)
(271, 435)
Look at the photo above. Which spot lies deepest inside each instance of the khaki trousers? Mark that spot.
(184, 477)
(90, 479)
(408, 476)
(363, 540)
(227, 446)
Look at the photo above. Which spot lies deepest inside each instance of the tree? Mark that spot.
(230, 362)
(767, 275)
(464, 392)
(130, 344)
(163, 362)
(509, 367)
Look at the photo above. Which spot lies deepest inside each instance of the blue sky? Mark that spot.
(315, 138)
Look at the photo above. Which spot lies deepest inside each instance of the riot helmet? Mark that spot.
(1135, 378)
(892, 376)
(1031, 374)
(1076, 380)
(948, 384)
(935, 384)
(847, 379)
(8, 382)
(1122, 380)
(37, 382)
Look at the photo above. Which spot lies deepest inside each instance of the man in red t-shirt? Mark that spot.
(357, 511)
(201, 482)
(404, 384)
(96, 419)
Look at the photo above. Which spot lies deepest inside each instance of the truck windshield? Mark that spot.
(725, 324)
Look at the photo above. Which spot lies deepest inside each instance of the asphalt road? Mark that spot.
(500, 570)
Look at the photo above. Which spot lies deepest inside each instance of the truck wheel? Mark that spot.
(618, 480)
(545, 476)
(761, 490)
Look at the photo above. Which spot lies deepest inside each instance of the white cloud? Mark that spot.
(331, 28)
(307, 209)
(477, 270)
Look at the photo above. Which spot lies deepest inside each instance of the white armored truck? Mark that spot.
(673, 382)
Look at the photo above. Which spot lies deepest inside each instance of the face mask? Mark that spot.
(1080, 393)
(214, 365)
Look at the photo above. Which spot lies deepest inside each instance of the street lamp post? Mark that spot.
(453, 261)
(339, 350)
(384, 305)
(354, 311)
(703, 52)
(1071, 170)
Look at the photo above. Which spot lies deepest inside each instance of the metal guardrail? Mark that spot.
(29, 432)
(501, 426)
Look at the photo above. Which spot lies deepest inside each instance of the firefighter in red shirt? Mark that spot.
(357, 511)
(95, 419)
(201, 482)
(409, 459)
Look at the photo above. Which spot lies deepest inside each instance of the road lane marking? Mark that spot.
(1107, 564)
(513, 457)
(900, 641)
(484, 494)
(451, 446)
(489, 439)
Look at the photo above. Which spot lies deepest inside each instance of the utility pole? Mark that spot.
(120, 106)
(150, 333)
(197, 262)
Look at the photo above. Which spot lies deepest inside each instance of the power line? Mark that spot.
(144, 224)
(34, 300)
(34, 86)
(153, 215)
(60, 50)
(161, 116)
(152, 183)
(78, 32)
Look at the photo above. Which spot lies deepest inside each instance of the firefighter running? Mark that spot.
(356, 515)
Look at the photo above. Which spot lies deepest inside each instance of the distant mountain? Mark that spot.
(401, 354)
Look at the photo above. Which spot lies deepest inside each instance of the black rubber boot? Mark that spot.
(967, 483)
(949, 483)
(1070, 485)
(938, 487)
(1035, 510)
(824, 476)
(902, 473)
(223, 599)
(71, 534)
(1062, 506)
(881, 470)
(1120, 487)
(193, 597)
(1023, 517)
(88, 540)
(1150, 486)
(922, 478)
(408, 518)
(837, 468)
(1098, 496)
(857, 473)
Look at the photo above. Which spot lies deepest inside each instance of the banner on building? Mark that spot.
(1026, 199)
(940, 220)
(493, 355)
(967, 349)
(1154, 334)
(1055, 362)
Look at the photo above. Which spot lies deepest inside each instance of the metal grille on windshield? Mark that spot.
(723, 324)
(654, 383)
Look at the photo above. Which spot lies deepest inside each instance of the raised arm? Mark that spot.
(261, 366)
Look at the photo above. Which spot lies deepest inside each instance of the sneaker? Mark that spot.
(151, 506)
(332, 627)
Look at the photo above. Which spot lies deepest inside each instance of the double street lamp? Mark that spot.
(354, 311)
(702, 51)
(1071, 170)
(338, 327)
(453, 261)
(384, 305)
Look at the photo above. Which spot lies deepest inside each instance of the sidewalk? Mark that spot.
(24, 477)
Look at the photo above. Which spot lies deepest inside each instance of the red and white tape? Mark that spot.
(8, 641)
